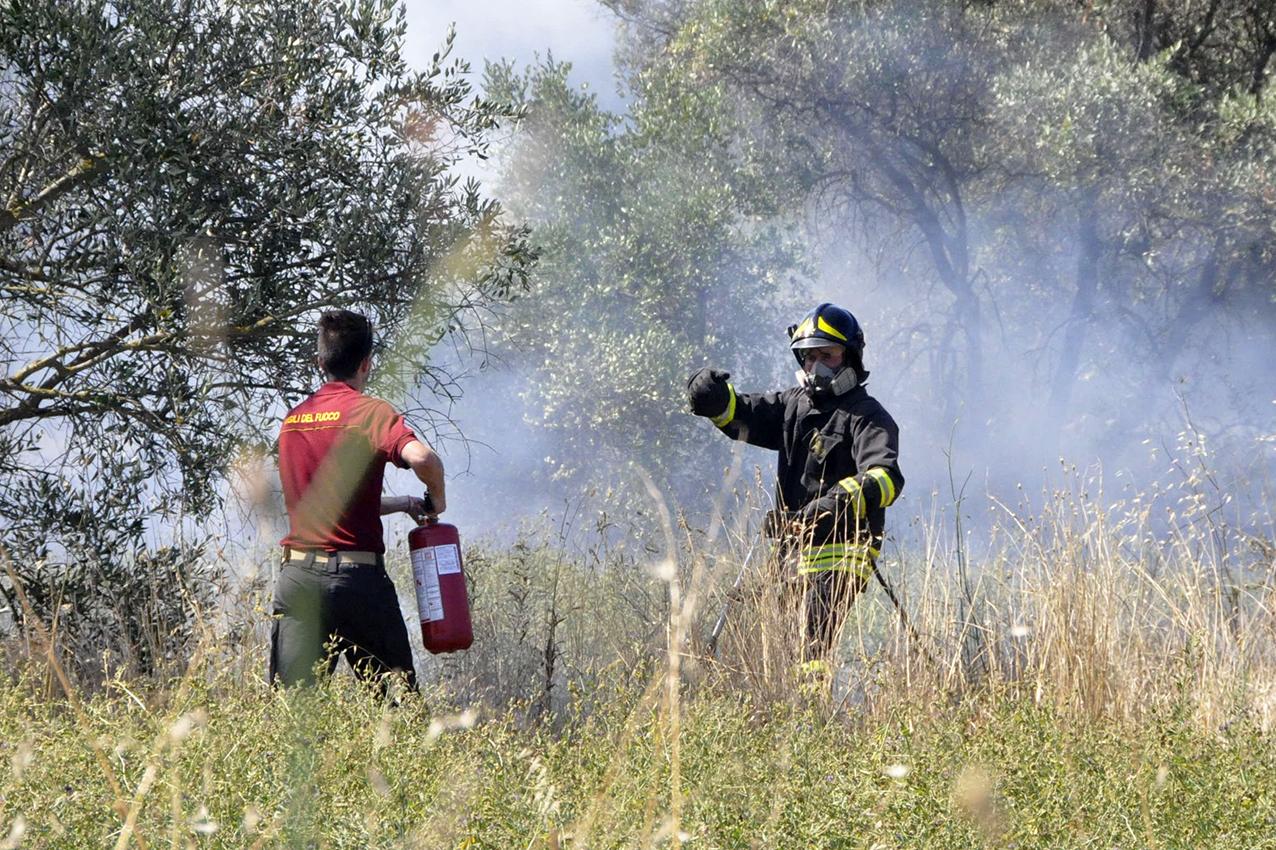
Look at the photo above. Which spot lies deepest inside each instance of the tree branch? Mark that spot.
(79, 173)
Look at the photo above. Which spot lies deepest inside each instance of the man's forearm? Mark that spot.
(428, 468)
(394, 504)
(430, 473)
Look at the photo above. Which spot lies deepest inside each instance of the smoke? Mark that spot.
(1099, 341)
(499, 462)
(1133, 422)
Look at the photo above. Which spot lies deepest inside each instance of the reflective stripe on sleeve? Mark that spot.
(858, 503)
(855, 558)
(725, 419)
(884, 484)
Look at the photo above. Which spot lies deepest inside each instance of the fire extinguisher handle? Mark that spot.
(429, 509)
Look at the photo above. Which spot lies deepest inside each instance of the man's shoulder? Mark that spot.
(304, 403)
(370, 405)
(791, 395)
(301, 412)
(866, 407)
(335, 405)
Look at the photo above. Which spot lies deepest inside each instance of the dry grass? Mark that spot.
(1086, 661)
(1097, 612)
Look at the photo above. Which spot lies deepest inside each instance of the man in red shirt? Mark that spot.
(333, 595)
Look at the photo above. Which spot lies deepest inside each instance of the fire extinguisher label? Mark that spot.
(429, 601)
(448, 558)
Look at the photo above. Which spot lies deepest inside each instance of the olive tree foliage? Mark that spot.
(1060, 187)
(658, 256)
(186, 184)
(874, 114)
(1165, 198)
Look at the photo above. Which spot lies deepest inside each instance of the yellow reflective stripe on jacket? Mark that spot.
(725, 419)
(858, 503)
(884, 484)
(846, 557)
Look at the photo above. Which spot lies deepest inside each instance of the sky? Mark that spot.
(579, 31)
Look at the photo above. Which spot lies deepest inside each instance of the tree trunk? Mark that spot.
(1089, 253)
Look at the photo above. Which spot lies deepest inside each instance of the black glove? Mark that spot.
(708, 392)
(818, 516)
(780, 524)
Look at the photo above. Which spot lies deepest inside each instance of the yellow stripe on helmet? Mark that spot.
(829, 329)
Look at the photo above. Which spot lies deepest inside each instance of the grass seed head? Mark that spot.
(23, 758)
(664, 571)
(378, 782)
(384, 735)
(202, 824)
(14, 839)
(186, 724)
(251, 819)
(974, 795)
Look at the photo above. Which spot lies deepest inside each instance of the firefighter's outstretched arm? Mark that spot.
(757, 419)
(878, 482)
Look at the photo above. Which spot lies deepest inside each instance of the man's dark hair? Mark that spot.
(345, 339)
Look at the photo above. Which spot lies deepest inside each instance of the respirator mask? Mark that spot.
(824, 382)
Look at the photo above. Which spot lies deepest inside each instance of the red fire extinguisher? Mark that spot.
(441, 595)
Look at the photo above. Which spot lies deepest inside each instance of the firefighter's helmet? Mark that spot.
(826, 325)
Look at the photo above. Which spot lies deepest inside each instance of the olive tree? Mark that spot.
(186, 185)
(657, 256)
(1053, 189)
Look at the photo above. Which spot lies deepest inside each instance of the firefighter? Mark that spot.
(333, 595)
(838, 465)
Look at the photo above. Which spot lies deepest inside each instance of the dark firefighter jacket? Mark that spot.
(838, 467)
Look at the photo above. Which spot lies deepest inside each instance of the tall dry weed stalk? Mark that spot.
(1099, 609)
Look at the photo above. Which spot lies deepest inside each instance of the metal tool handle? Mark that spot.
(732, 595)
(712, 645)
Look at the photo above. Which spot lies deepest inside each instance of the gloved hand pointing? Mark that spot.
(708, 393)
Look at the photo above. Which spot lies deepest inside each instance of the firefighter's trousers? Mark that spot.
(827, 596)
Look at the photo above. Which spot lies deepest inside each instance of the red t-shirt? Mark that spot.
(333, 448)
